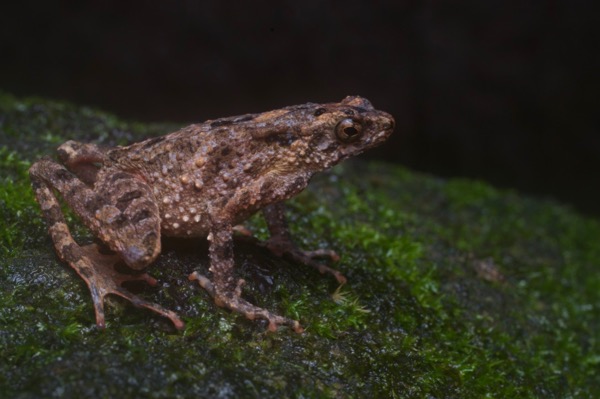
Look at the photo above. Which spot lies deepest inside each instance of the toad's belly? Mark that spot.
(186, 225)
(195, 221)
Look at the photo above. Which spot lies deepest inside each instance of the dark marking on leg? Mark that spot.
(54, 213)
(143, 214)
(64, 175)
(93, 204)
(125, 199)
(150, 240)
(73, 192)
(119, 176)
(119, 221)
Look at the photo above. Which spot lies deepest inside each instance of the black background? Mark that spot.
(505, 91)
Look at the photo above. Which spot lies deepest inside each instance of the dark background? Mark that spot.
(505, 91)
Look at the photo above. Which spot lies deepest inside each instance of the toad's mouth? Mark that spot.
(373, 140)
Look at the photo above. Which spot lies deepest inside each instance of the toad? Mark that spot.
(200, 181)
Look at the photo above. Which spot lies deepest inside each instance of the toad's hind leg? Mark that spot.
(95, 268)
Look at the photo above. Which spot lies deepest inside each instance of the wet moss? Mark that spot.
(456, 289)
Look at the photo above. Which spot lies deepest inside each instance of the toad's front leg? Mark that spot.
(281, 243)
(224, 288)
(108, 218)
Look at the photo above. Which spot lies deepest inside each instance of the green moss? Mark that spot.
(456, 289)
(15, 202)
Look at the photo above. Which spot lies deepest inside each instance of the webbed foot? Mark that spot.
(99, 273)
(236, 303)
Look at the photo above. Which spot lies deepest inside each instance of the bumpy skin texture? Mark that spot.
(200, 181)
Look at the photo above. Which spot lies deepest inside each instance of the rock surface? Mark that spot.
(456, 290)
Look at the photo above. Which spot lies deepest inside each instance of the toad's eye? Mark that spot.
(348, 130)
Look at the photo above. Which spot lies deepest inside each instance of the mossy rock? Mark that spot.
(456, 290)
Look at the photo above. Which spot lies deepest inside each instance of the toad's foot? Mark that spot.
(236, 303)
(98, 272)
(284, 248)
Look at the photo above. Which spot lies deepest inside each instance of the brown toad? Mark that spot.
(200, 181)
